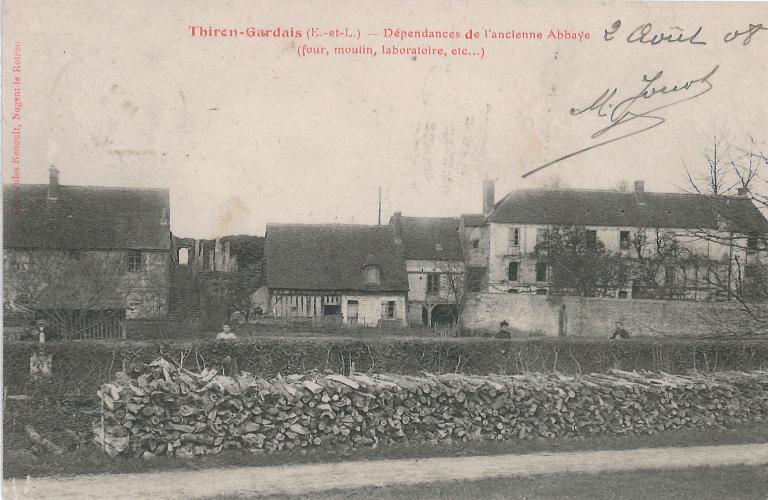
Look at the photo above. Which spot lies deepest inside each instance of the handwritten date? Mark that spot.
(646, 34)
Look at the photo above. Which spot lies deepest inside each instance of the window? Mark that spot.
(475, 243)
(352, 310)
(183, 256)
(623, 240)
(439, 247)
(433, 282)
(590, 237)
(623, 294)
(134, 261)
(541, 271)
(542, 236)
(512, 271)
(669, 275)
(541, 291)
(514, 239)
(21, 261)
(388, 309)
(371, 275)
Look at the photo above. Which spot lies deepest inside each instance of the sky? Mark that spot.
(244, 131)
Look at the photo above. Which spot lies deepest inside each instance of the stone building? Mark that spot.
(88, 259)
(719, 235)
(434, 262)
(351, 274)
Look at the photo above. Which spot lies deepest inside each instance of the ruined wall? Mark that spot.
(594, 317)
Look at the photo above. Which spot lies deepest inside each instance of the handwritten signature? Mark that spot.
(621, 112)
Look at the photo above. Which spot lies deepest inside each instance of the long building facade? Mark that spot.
(86, 259)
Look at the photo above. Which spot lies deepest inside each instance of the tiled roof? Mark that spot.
(627, 209)
(431, 238)
(473, 220)
(332, 257)
(85, 217)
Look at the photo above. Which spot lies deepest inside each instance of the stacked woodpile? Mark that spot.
(163, 409)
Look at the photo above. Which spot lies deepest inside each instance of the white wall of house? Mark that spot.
(502, 253)
(418, 277)
(370, 308)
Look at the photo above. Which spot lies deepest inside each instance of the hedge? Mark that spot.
(162, 409)
(81, 367)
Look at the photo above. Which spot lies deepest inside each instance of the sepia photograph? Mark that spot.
(352, 249)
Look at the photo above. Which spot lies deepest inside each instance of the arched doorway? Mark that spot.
(444, 314)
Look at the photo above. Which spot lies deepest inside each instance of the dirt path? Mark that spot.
(307, 478)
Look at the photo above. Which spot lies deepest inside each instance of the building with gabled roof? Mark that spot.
(75, 252)
(434, 260)
(354, 274)
(638, 208)
(523, 218)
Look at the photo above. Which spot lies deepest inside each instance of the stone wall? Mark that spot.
(142, 292)
(593, 317)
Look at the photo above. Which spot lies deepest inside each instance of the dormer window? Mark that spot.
(439, 247)
(372, 275)
(371, 271)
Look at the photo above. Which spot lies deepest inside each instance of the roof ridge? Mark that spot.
(428, 217)
(628, 191)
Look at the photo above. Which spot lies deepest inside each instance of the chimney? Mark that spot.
(397, 227)
(53, 183)
(488, 196)
(639, 186)
(742, 191)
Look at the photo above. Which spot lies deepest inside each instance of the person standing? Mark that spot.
(226, 333)
(39, 333)
(620, 332)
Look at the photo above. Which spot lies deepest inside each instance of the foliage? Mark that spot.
(736, 168)
(80, 367)
(580, 264)
(73, 290)
(237, 290)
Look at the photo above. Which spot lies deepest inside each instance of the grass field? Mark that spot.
(743, 483)
(91, 460)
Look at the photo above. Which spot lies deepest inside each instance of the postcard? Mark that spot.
(234, 171)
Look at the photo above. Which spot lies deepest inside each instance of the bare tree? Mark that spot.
(661, 266)
(73, 290)
(742, 277)
(580, 264)
(553, 181)
(460, 279)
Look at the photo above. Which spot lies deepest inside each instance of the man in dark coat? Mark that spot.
(620, 332)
